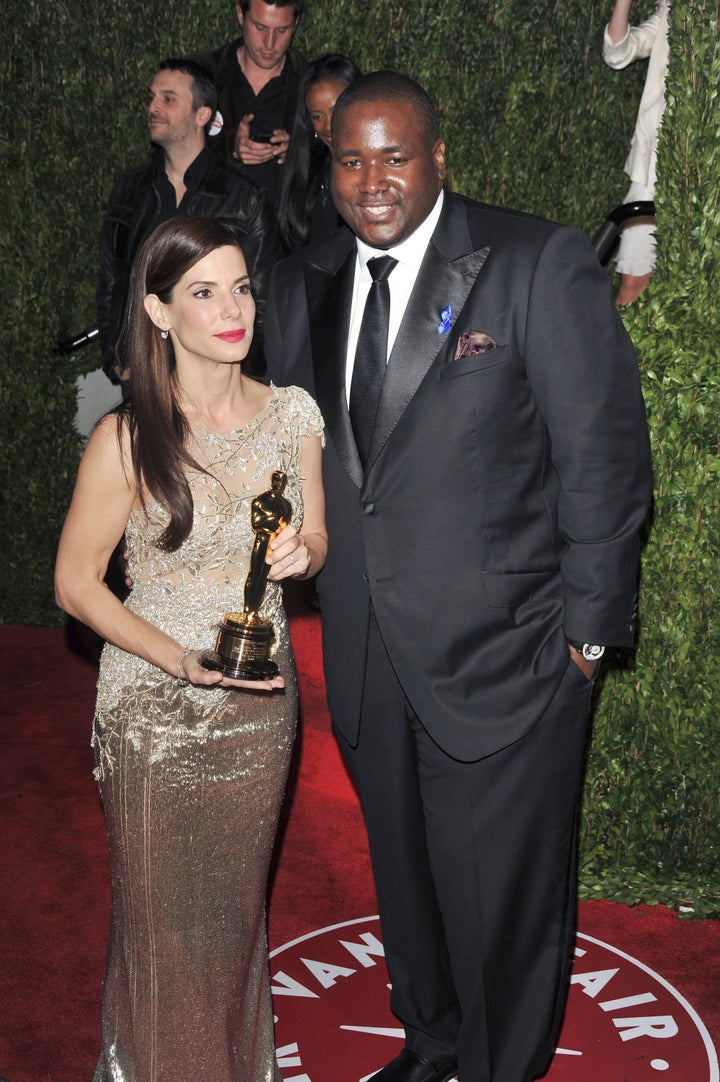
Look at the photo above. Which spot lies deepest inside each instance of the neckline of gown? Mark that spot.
(226, 432)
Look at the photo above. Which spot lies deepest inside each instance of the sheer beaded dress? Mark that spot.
(192, 781)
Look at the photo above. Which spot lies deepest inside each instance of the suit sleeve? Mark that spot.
(584, 375)
(636, 45)
(220, 63)
(274, 322)
(105, 287)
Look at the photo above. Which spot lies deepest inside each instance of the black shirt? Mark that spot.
(274, 107)
(169, 207)
(267, 109)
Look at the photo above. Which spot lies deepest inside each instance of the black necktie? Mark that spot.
(371, 354)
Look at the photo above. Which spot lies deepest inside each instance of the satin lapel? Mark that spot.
(441, 282)
(329, 297)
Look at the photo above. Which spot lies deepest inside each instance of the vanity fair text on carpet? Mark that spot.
(623, 1020)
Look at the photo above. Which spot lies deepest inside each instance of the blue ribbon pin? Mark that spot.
(445, 320)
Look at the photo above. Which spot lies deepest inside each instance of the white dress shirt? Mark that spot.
(409, 254)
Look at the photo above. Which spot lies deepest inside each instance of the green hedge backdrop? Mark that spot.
(533, 119)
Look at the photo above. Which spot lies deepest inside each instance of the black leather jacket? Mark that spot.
(226, 193)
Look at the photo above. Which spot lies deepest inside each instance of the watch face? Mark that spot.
(591, 652)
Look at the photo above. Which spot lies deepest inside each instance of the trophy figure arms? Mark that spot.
(270, 512)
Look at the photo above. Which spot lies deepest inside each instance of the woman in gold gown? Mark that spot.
(191, 765)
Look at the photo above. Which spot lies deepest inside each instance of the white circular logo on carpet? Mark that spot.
(624, 1023)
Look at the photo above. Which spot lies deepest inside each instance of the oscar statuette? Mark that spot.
(245, 640)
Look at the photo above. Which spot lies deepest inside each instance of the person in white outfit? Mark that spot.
(622, 44)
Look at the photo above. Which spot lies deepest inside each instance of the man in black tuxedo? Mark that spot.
(483, 549)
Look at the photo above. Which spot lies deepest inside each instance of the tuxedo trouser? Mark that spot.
(475, 867)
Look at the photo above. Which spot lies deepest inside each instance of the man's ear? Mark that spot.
(239, 12)
(203, 114)
(438, 153)
(157, 311)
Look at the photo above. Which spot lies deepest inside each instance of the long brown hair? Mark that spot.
(158, 427)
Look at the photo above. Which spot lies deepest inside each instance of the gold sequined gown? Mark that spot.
(191, 781)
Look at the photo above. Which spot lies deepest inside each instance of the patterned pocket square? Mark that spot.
(471, 342)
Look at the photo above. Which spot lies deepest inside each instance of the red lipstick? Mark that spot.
(232, 336)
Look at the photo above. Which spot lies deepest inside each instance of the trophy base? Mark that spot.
(246, 670)
(242, 649)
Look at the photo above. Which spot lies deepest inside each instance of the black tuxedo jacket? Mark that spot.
(500, 509)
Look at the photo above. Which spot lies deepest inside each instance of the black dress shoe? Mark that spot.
(409, 1067)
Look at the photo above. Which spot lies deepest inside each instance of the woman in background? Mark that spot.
(306, 209)
(191, 765)
(622, 44)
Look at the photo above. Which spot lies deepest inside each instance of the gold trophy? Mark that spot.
(245, 640)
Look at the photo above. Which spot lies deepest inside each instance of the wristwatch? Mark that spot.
(589, 650)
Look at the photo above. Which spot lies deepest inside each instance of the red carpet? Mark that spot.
(644, 1004)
